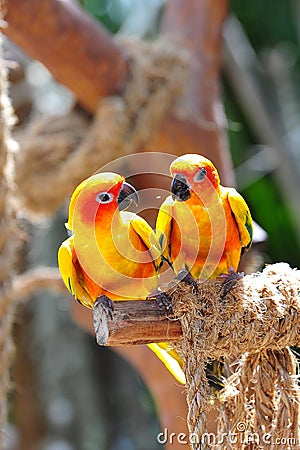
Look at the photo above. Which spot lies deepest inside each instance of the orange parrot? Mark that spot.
(203, 227)
(112, 254)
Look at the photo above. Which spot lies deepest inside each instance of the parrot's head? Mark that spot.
(193, 175)
(100, 195)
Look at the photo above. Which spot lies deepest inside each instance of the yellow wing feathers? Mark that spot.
(147, 235)
(71, 274)
(164, 226)
(65, 263)
(166, 353)
(242, 216)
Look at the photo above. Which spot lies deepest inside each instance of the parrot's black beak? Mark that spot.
(127, 195)
(180, 188)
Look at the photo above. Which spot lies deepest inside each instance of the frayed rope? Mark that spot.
(59, 152)
(253, 326)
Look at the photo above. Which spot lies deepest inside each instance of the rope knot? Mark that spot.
(62, 151)
(249, 331)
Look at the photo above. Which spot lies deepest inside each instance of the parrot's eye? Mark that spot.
(200, 175)
(104, 197)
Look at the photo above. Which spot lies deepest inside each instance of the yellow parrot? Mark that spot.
(203, 227)
(112, 254)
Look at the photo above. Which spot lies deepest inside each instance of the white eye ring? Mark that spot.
(104, 197)
(200, 175)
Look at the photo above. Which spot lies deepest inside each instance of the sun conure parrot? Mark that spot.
(112, 254)
(203, 227)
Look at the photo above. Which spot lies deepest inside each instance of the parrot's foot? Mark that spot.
(162, 299)
(230, 280)
(185, 277)
(106, 304)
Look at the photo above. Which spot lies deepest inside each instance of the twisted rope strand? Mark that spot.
(254, 324)
(59, 152)
(8, 243)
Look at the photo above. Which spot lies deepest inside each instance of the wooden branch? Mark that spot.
(261, 312)
(75, 48)
(81, 55)
(199, 26)
(135, 322)
(198, 122)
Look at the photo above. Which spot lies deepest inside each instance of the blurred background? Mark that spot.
(68, 393)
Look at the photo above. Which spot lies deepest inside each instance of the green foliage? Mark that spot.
(238, 133)
(272, 213)
(266, 22)
(268, 207)
(100, 9)
(127, 16)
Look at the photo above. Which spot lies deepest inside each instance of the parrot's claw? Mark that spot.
(185, 276)
(106, 304)
(230, 280)
(162, 299)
